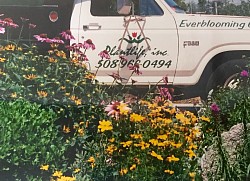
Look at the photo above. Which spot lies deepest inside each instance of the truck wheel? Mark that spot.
(224, 75)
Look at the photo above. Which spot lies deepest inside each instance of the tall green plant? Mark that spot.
(29, 138)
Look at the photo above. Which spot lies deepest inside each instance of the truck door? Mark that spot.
(156, 51)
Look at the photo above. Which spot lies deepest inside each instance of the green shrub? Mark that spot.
(29, 138)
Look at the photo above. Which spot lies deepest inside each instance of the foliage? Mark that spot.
(150, 141)
(28, 138)
(230, 106)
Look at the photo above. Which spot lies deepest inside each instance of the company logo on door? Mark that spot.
(136, 54)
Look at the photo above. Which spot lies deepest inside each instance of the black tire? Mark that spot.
(225, 73)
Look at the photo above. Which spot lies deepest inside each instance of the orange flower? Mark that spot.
(42, 93)
(30, 76)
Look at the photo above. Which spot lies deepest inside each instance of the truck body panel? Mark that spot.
(163, 41)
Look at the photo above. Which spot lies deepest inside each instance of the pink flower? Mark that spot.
(115, 109)
(8, 22)
(135, 68)
(55, 40)
(41, 37)
(2, 30)
(164, 92)
(83, 57)
(215, 108)
(74, 47)
(104, 54)
(244, 73)
(67, 35)
(88, 44)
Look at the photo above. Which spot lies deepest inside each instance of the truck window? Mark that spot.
(108, 8)
(21, 2)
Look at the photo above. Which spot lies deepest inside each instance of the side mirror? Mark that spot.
(124, 6)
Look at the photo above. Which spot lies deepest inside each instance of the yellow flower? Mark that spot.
(111, 140)
(44, 167)
(181, 117)
(2, 59)
(133, 167)
(126, 144)
(57, 174)
(203, 118)
(62, 87)
(104, 126)
(171, 172)
(52, 60)
(65, 178)
(159, 157)
(167, 121)
(73, 97)
(191, 153)
(154, 142)
(175, 132)
(78, 101)
(143, 145)
(162, 137)
(91, 160)
(123, 171)
(66, 129)
(123, 108)
(136, 136)
(176, 145)
(30, 76)
(10, 47)
(193, 146)
(13, 95)
(19, 48)
(90, 76)
(110, 149)
(42, 93)
(192, 174)
(61, 54)
(77, 170)
(80, 131)
(136, 117)
(172, 158)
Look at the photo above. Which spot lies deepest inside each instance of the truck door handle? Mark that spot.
(92, 26)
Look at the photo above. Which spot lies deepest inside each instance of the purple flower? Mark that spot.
(67, 35)
(104, 54)
(2, 30)
(135, 68)
(164, 92)
(88, 44)
(244, 73)
(215, 108)
(8, 22)
(41, 37)
(55, 40)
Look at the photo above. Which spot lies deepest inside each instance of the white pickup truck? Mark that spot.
(193, 50)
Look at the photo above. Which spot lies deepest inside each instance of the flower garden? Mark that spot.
(59, 123)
